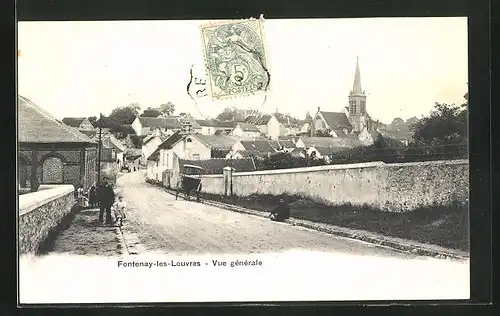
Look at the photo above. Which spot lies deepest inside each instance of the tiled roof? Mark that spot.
(155, 155)
(261, 146)
(329, 150)
(194, 123)
(218, 142)
(336, 120)
(246, 127)
(399, 135)
(216, 123)
(221, 132)
(330, 142)
(73, 121)
(35, 125)
(161, 122)
(171, 141)
(258, 120)
(215, 165)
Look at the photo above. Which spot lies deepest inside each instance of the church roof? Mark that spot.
(336, 120)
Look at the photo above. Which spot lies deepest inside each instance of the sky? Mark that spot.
(75, 69)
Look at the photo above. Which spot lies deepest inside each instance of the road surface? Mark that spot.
(165, 225)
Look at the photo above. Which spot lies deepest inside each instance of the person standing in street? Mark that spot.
(106, 197)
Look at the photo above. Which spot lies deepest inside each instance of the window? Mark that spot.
(52, 170)
(362, 106)
(196, 156)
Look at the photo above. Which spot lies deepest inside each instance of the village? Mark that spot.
(214, 142)
(353, 175)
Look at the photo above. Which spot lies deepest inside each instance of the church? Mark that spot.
(352, 120)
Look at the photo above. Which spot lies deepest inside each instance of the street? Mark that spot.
(165, 225)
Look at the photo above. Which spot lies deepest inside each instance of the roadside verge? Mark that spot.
(399, 244)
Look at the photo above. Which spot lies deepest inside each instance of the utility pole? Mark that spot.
(99, 146)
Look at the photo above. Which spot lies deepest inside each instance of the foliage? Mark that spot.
(125, 114)
(167, 108)
(447, 124)
(121, 131)
(218, 153)
(398, 124)
(136, 141)
(232, 114)
(150, 112)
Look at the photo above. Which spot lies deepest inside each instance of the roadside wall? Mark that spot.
(389, 187)
(40, 212)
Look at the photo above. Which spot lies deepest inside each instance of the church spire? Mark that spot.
(356, 88)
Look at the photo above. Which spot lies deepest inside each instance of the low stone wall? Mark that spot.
(40, 212)
(388, 187)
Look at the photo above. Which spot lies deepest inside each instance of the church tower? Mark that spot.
(357, 102)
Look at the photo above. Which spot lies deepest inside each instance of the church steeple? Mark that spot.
(357, 101)
(356, 87)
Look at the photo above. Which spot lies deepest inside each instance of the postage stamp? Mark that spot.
(235, 58)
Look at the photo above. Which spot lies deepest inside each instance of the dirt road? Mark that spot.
(165, 225)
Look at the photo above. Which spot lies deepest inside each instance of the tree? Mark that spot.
(124, 114)
(233, 114)
(167, 109)
(150, 112)
(447, 124)
(397, 124)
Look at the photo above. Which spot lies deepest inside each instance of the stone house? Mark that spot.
(214, 127)
(51, 152)
(246, 130)
(111, 141)
(150, 143)
(147, 125)
(183, 145)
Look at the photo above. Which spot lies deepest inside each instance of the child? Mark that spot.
(119, 209)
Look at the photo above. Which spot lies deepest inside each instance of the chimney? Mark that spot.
(318, 108)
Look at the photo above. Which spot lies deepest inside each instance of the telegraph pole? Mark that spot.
(99, 146)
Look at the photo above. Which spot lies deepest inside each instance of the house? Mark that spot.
(216, 127)
(183, 145)
(219, 145)
(111, 141)
(191, 125)
(368, 137)
(80, 123)
(320, 147)
(216, 165)
(51, 152)
(275, 125)
(151, 142)
(305, 142)
(403, 137)
(257, 147)
(147, 125)
(246, 130)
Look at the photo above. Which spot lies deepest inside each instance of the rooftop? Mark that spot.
(35, 125)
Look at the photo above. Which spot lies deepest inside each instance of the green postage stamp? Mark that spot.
(235, 58)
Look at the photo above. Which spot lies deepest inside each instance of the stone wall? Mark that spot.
(40, 212)
(389, 187)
